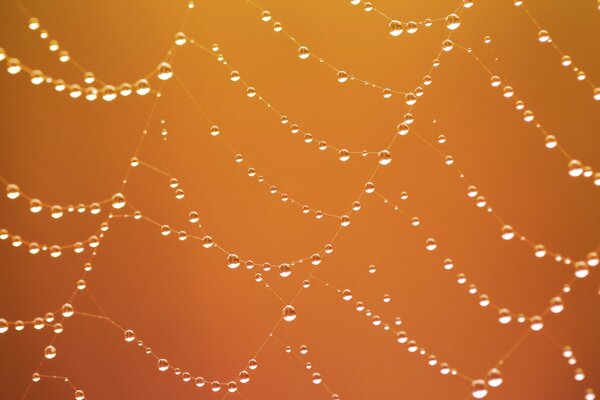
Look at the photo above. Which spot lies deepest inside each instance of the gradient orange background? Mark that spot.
(188, 306)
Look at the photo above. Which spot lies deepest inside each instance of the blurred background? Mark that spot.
(185, 303)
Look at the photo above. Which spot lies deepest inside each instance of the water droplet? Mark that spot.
(207, 242)
(347, 294)
(395, 28)
(118, 201)
(38, 323)
(447, 45)
(289, 313)
(344, 155)
(575, 168)
(252, 364)
(163, 365)
(233, 261)
(508, 232)
(50, 352)
(13, 66)
(344, 220)
(479, 389)
(410, 99)
(539, 250)
(36, 77)
(342, 76)
(316, 378)
(452, 22)
(430, 244)
(556, 305)
(129, 335)
(180, 39)
(193, 217)
(411, 27)
(536, 323)
(12, 191)
(164, 71)
(303, 52)
(142, 87)
(244, 377)
(581, 269)
(285, 270)
(592, 259)
(3, 325)
(384, 157)
(34, 24)
(67, 310)
(315, 259)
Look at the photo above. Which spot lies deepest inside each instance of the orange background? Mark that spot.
(203, 317)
